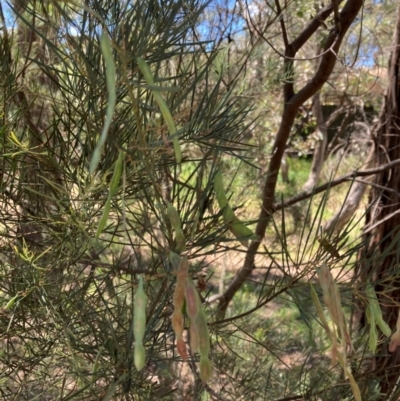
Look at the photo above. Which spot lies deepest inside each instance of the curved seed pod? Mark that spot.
(235, 225)
(139, 319)
(192, 300)
(199, 335)
(181, 347)
(180, 240)
(229, 215)
(331, 297)
(139, 324)
(179, 299)
(241, 232)
(177, 325)
(373, 332)
(181, 276)
(139, 357)
(205, 369)
(203, 334)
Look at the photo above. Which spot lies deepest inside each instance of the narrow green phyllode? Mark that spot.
(112, 191)
(106, 49)
(148, 76)
(235, 225)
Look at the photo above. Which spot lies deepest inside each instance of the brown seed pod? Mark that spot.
(199, 334)
(177, 323)
(179, 299)
(179, 294)
(181, 347)
(192, 300)
(194, 338)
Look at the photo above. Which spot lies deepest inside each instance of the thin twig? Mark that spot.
(334, 183)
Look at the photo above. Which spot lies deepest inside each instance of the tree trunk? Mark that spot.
(320, 145)
(293, 101)
(354, 197)
(383, 220)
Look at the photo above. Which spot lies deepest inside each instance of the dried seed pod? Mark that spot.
(192, 300)
(199, 335)
(181, 347)
(179, 299)
(331, 297)
(177, 325)
(194, 338)
(181, 276)
(139, 324)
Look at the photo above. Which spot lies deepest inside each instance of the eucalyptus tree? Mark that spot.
(378, 259)
(293, 98)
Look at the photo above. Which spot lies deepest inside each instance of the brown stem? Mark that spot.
(291, 107)
(334, 183)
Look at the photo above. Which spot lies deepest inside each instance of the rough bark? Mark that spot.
(383, 220)
(293, 101)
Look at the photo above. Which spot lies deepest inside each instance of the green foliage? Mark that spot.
(86, 197)
(116, 119)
